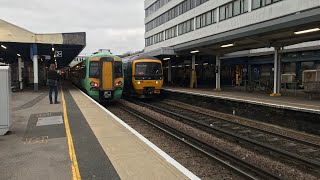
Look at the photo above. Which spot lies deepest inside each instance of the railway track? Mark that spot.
(237, 164)
(293, 149)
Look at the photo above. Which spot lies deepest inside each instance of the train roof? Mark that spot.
(139, 57)
(104, 55)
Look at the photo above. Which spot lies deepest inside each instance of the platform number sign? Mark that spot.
(58, 53)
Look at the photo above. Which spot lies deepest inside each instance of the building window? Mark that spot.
(150, 41)
(158, 37)
(155, 6)
(171, 32)
(226, 11)
(173, 13)
(233, 9)
(236, 7)
(206, 19)
(261, 3)
(186, 26)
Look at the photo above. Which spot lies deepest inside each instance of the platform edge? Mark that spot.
(163, 154)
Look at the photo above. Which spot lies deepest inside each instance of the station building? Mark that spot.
(228, 42)
(30, 54)
(78, 60)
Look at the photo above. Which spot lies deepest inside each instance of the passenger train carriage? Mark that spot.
(100, 76)
(143, 76)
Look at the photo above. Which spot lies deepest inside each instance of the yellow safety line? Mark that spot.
(72, 152)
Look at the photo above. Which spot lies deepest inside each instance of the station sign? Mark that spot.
(58, 54)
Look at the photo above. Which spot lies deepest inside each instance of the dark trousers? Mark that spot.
(55, 89)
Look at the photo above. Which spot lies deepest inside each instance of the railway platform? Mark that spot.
(294, 112)
(77, 139)
(298, 102)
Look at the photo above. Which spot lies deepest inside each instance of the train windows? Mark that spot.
(151, 70)
(117, 66)
(94, 71)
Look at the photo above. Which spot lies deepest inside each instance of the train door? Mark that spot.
(106, 75)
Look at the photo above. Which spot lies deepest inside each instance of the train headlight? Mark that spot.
(118, 84)
(139, 82)
(157, 82)
(94, 84)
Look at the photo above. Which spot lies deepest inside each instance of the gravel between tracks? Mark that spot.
(250, 156)
(251, 123)
(199, 164)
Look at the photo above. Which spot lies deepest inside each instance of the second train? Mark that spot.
(143, 76)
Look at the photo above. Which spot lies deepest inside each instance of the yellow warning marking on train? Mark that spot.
(72, 152)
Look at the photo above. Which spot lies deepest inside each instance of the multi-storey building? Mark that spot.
(243, 28)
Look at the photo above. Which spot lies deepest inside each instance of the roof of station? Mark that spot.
(278, 32)
(17, 41)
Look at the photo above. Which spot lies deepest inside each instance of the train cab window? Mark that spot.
(94, 71)
(148, 69)
(117, 69)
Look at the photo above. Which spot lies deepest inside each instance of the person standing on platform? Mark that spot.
(52, 82)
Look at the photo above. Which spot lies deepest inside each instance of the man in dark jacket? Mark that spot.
(52, 82)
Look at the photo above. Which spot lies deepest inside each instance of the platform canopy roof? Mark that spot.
(278, 32)
(16, 41)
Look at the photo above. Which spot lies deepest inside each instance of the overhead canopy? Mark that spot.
(273, 33)
(17, 41)
(276, 32)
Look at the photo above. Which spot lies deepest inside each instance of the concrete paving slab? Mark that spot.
(53, 120)
(38, 156)
(93, 163)
(131, 157)
(117, 147)
(131, 169)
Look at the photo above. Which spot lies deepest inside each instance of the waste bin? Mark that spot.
(5, 97)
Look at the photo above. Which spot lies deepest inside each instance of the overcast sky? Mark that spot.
(110, 24)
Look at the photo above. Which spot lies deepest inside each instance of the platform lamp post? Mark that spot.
(20, 71)
(277, 72)
(218, 73)
(193, 78)
(34, 56)
(169, 72)
(169, 69)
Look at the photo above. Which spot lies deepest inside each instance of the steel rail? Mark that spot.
(251, 127)
(308, 162)
(244, 168)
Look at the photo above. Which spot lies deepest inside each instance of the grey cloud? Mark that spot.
(114, 24)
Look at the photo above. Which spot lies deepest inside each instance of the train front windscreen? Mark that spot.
(117, 66)
(148, 71)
